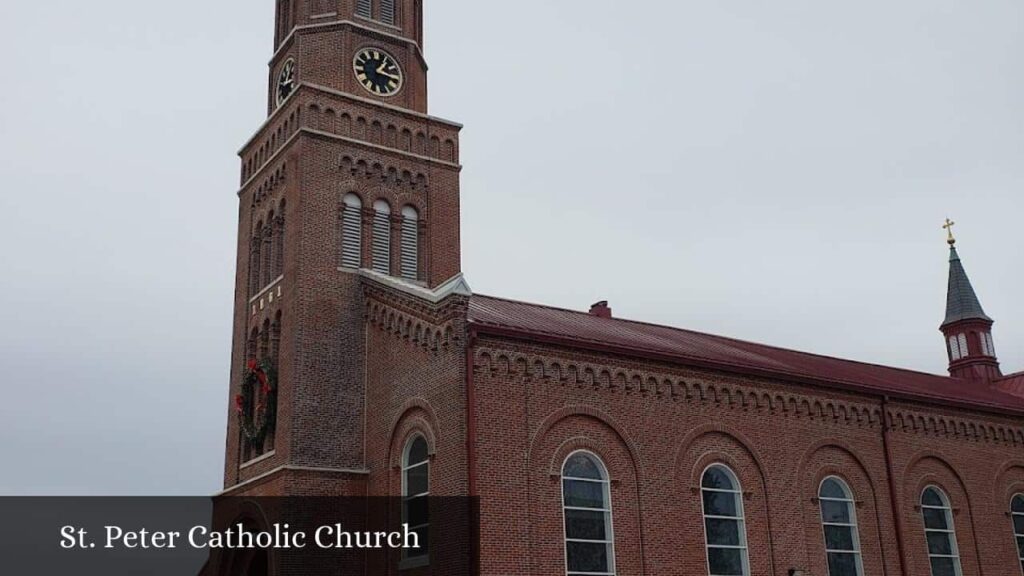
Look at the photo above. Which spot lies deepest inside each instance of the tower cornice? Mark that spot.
(346, 96)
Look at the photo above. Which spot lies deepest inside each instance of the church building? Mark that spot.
(364, 365)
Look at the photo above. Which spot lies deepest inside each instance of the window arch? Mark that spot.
(352, 231)
(839, 521)
(943, 553)
(587, 509)
(382, 237)
(415, 493)
(410, 243)
(1017, 514)
(725, 530)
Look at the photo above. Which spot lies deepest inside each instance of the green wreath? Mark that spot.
(258, 421)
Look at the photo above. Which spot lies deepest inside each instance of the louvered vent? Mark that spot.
(382, 238)
(352, 232)
(363, 8)
(387, 11)
(410, 243)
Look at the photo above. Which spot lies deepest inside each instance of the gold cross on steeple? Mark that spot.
(948, 227)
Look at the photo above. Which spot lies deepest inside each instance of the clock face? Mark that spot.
(286, 81)
(378, 72)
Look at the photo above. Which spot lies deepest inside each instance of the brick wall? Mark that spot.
(658, 434)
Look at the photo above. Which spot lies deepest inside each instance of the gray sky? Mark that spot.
(770, 171)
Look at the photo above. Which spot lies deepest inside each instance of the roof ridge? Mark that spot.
(727, 338)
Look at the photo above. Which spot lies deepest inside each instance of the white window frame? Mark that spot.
(1017, 535)
(964, 350)
(609, 524)
(851, 507)
(950, 531)
(405, 491)
(740, 519)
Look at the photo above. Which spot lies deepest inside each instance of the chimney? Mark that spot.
(601, 310)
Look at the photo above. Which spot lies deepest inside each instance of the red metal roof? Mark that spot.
(568, 327)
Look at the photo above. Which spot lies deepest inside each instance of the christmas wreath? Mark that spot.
(257, 404)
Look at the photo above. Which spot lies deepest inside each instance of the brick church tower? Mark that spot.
(348, 184)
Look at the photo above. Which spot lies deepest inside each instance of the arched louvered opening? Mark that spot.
(364, 8)
(279, 229)
(267, 254)
(255, 259)
(388, 14)
(410, 243)
(352, 232)
(839, 521)
(382, 237)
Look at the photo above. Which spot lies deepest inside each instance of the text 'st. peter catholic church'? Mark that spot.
(362, 364)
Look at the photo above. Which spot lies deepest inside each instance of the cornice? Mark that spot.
(346, 96)
(779, 375)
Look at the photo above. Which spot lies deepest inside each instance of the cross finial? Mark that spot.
(948, 227)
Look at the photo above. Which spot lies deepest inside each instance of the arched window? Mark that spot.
(839, 520)
(940, 533)
(1017, 513)
(954, 348)
(724, 525)
(382, 237)
(410, 243)
(586, 503)
(415, 492)
(387, 11)
(352, 232)
(987, 346)
(364, 8)
(279, 230)
(267, 255)
(255, 259)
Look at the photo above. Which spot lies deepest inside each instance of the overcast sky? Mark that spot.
(773, 171)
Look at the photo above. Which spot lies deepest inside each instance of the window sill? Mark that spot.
(256, 461)
(413, 563)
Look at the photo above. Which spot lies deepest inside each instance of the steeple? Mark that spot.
(968, 330)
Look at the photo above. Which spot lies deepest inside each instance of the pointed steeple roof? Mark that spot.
(961, 301)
